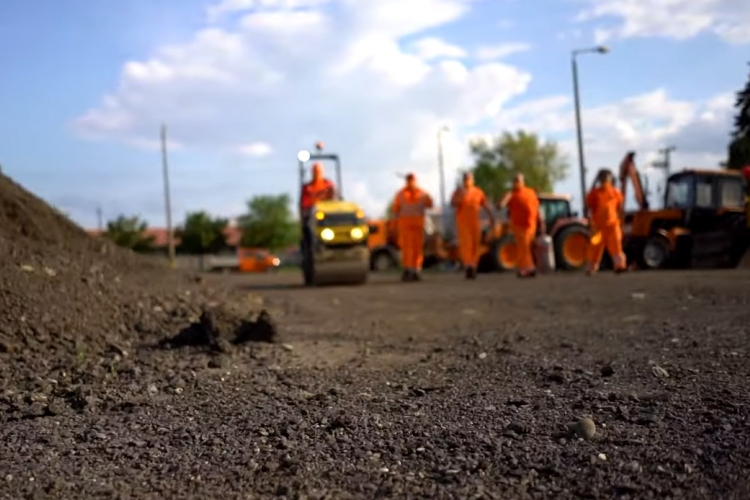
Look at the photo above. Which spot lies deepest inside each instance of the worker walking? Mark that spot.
(525, 219)
(409, 209)
(468, 200)
(318, 189)
(603, 204)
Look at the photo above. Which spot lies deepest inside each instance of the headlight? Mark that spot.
(276, 262)
(357, 233)
(326, 234)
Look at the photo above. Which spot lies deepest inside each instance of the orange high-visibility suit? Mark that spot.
(409, 208)
(468, 202)
(523, 206)
(604, 204)
(318, 189)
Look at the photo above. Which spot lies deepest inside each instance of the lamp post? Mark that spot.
(441, 168)
(601, 49)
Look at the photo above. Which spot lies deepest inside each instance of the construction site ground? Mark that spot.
(441, 389)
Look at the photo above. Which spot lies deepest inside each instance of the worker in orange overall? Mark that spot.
(525, 219)
(604, 203)
(318, 189)
(468, 200)
(409, 209)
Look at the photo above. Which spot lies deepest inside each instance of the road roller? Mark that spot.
(334, 243)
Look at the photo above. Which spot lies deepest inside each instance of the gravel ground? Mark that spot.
(439, 389)
(122, 379)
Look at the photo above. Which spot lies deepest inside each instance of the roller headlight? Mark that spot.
(276, 262)
(326, 234)
(357, 233)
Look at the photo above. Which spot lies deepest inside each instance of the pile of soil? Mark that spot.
(69, 300)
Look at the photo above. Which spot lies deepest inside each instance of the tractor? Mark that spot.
(703, 223)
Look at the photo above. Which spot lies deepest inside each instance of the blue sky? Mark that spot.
(241, 92)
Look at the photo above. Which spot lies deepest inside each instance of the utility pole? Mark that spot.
(579, 129)
(167, 202)
(665, 163)
(99, 219)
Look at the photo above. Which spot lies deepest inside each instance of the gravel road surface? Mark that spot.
(439, 389)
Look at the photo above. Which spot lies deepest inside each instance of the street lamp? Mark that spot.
(601, 49)
(441, 168)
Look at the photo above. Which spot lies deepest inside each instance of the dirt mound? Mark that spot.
(67, 297)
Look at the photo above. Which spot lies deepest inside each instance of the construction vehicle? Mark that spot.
(569, 233)
(244, 260)
(703, 223)
(336, 251)
(384, 249)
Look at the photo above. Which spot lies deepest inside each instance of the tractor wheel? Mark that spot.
(382, 261)
(571, 244)
(655, 253)
(504, 253)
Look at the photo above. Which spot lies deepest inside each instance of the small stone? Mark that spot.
(178, 390)
(584, 428)
(384, 470)
(602, 457)
(633, 466)
(482, 355)
(659, 372)
(9, 477)
(27, 268)
(152, 389)
(287, 347)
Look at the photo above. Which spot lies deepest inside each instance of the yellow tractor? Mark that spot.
(334, 243)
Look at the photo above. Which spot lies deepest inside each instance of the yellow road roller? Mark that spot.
(334, 236)
(337, 252)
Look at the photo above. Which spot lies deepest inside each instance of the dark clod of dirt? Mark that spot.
(215, 329)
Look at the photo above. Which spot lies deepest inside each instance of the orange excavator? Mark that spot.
(703, 223)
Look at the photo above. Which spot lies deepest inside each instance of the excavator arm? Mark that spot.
(628, 171)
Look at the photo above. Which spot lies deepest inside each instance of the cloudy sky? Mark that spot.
(244, 84)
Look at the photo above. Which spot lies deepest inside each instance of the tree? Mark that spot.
(269, 223)
(739, 148)
(497, 162)
(129, 232)
(202, 234)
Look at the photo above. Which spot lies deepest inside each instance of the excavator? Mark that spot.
(704, 222)
(337, 252)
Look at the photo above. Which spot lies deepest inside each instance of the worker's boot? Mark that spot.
(471, 273)
(416, 276)
(406, 276)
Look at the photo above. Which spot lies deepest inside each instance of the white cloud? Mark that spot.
(433, 48)
(295, 74)
(676, 19)
(644, 123)
(255, 149)
(492, 52)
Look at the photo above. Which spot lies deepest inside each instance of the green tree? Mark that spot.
(202, 234)
(129, 232)
(498, 161)
(739, 147)
(269, 223)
